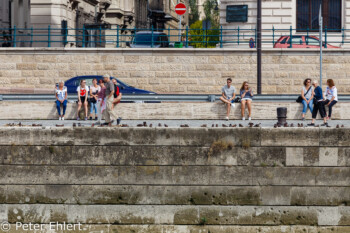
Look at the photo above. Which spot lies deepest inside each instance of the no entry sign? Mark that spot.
(180, 9)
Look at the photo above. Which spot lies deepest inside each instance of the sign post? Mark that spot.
(180, 10)
(321, 42)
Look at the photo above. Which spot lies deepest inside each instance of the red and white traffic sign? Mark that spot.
(180, 9)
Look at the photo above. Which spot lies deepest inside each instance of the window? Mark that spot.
(308, 12)
(312, 41)
(284, 40)
(296, 40)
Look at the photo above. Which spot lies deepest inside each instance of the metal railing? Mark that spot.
(162, 98)
(197, 38)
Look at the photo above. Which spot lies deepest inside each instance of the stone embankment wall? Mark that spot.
(172, 70)
(177, 179)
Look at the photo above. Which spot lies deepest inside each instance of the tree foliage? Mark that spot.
(194, 15)
(200, 38)
(212, 14)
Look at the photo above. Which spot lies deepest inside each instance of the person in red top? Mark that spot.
(117, 93)
(83, 91)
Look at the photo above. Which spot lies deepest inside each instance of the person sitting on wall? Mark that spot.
(246, 99)
(228, 96)
(61, 98)
(117, 97)
(332, 96)
(308, 97)
(318, 104)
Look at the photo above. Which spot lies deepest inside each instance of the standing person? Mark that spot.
(246, 99)
(228, 96)
(101, 102)
(61, 98)
(6, 43)
(110, 116)
(332, 96)
(83, 91)
(308, 97)
(117, 97)
(319, 104)
(94, 90)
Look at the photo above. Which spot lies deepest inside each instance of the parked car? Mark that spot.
(300, 41)
(73, 83)
(143, 39)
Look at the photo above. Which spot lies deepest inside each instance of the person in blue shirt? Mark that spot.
(319, 105)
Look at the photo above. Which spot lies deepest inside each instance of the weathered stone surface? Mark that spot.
(290, 137)
(196, 215)
(110, 228)
(199, 177)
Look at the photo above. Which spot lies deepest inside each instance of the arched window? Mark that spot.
(308, 12)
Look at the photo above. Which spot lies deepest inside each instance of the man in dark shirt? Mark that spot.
(319, 105)
(110, 116)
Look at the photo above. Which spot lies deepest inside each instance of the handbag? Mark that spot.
(237, 100)
(300, 99)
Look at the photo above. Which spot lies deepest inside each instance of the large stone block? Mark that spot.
(290, 137)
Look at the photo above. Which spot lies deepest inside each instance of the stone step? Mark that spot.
(219, 154)
(175, 175)
(178, 214)
(175, 195)
(202, 228)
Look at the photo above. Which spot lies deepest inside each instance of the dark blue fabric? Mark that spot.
(318, 93)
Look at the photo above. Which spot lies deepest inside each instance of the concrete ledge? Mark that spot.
(22, 110)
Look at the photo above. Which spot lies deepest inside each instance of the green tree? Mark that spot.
(194, 15)
(211, 13)
(200, 38)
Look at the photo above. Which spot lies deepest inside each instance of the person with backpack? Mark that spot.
(117, 97)
(307, 96)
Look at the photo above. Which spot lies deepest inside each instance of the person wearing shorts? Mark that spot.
(83, 91)
(228, 96)
(246, 100)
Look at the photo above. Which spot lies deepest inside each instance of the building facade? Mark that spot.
(15, 13)
(128, 15)
(296, 17)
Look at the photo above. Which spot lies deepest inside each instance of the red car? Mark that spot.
(300, 42)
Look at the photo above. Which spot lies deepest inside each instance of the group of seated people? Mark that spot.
(105, 94)
(102, 96)
(229, 97)
(311, 95)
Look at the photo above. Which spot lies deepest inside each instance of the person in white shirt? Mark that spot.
(61, 98)
(331, 95)
(228, 96)
(83, 92)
